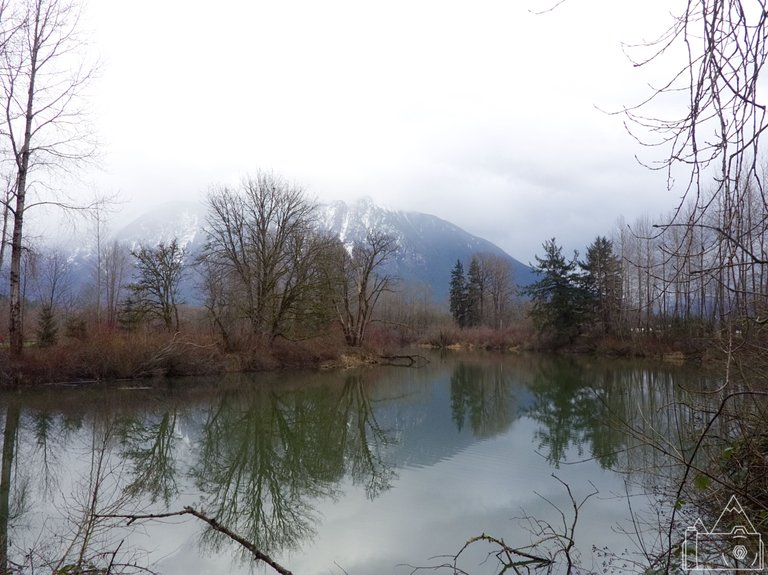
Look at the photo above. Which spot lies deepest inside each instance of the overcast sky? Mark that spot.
(482, 112)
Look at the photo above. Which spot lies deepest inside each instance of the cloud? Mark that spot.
(483, 114)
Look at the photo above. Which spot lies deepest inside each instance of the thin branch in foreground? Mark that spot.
(215, 525)
(545, 554)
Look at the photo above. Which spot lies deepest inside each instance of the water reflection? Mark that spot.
(263, 454)
(582, 409)
(266, 455)
(10, 435)
(482, 396)
(149, 443)
(575, 408)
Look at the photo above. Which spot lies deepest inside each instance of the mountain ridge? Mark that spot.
(428, 245)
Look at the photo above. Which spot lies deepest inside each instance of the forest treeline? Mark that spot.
(267, 278)
(686, 285)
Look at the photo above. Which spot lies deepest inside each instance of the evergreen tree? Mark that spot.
(558, 298)
(47, 330)
(458, 295)
(603, 283)
(75, 328)
(475, 293)
(131, 314)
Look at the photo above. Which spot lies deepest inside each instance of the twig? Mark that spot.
(536, 556)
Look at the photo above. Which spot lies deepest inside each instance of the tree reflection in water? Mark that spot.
(605, 410)
(265, 455)
(10, 435)
(482, 395)
(150, 445)
(261, 454)
(574, 408)
(613, 412)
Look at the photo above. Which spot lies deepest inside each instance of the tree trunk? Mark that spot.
(4, 228)
(12, 415)
(15, 335)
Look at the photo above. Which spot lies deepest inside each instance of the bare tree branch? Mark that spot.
(215, 525)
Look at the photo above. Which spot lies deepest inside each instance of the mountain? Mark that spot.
(183, 221)
(428, 245)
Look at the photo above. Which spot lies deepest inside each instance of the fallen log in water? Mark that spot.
(404, 360)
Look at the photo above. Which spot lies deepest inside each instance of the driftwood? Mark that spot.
(404, 360)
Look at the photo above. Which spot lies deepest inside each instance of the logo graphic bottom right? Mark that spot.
(733, 543)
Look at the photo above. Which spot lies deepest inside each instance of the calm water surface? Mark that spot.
(361, 471)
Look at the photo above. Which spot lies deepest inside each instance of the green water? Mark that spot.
(361, 471)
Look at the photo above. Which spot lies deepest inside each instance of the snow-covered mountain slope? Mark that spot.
(428, 246)
(183, 221)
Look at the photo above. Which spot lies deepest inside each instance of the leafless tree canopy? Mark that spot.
(262, 256)
(160, 270)
(357, 282)
(717, 134)
(710, 139)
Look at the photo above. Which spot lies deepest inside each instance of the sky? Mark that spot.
(484, 113)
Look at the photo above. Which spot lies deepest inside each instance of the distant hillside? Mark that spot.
(429, 246)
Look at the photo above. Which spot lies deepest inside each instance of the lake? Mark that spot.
(363, 471)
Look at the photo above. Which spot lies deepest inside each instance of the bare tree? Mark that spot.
(5, 206)
(411, 310)
(156, 291)
(50, 272)
(499, 288)
(219, 287)
(713, 136)
(7, 30)
(356, 283)
(43, 120)
(115, 265)
(261, 237)
(724, 116)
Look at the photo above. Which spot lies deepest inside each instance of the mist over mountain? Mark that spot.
(183, 221)
(428, 246)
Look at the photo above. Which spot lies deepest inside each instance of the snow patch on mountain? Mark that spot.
(182, 221)
(428, 246)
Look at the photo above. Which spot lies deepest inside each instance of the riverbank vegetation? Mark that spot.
(293, 297)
